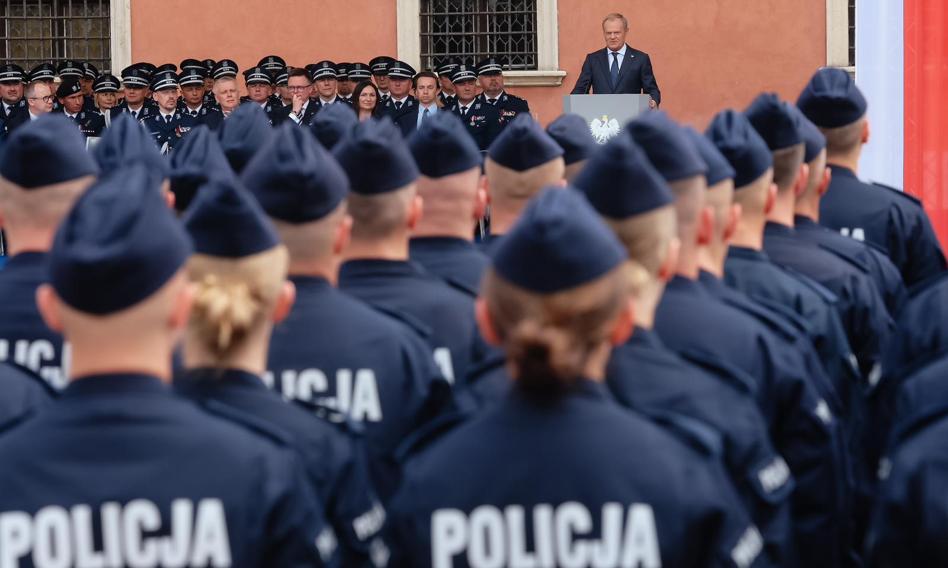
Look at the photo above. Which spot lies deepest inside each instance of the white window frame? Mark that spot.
(120, 32)
(547, 74)
(837, 35)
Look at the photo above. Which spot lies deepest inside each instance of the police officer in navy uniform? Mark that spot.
(379, 66)
(272, 63)
(644, 375)
(324, 79)
(890, 219)
(89, 75)
(445, 70)
(343, 87)
(235, 244)
(481, 119)
(374, 369)
(358, 72)
(560, 417)
(44, 169)
(169, 124)
(450, 166)
(400, 102)
(209, 65)
(490, 74)
(261, 93)
(191, 81)
(377, 268)
(105, 87)
(135, 82)
(69, 93)
(802, 423)
(210, 491)
(12, 79)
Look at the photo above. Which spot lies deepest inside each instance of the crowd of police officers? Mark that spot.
(262, 332)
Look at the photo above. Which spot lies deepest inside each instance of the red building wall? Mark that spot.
(707, 54)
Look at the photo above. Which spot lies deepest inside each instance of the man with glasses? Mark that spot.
(300, 86)
(39, 101)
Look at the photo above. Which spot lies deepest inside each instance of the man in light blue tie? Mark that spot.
(618, 68)
(426, 91)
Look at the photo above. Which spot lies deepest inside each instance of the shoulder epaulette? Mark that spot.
(848, 258)
(899, 192)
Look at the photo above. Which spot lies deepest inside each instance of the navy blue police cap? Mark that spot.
(371, 159)
(209, 66)
(281, 77)
(164, 80)
(735, 137)
(558, 243)
(831, 99)
(224, 68)
(135, 78)
(572, 133)
(89, 71)
(11, 73)
(342, 71)
(166, 67)
(719, 169)
(295, 179)
(771, 118)
(149, 68)
(400, 70)
(192, 65)
(226, 221)
(106, 83)
(463, 72)
(667, 147)
(257, 76)
(272, 63)
(813, 140)
(359, 72)
(523, 145)
(442, 147)
(192, 77)
(196, 159)
(446, 67)
(489, 66)
(322, 70)
(620, 181)
(46, 151)
(243, 134)
(126, 142)
(118, 245)
(70, 68)
(333, 122)
(379, 65)
(68, 88)
(42, 72)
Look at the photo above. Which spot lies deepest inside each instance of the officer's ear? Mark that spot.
(734, 213)
(803, 178)
(771, 198)
(480, 202)
(284, 303)
(485, 324)
(415, 210)
(343, 235)
(181, 309)
(669, 265)
(167, 194)
(865, 132)
(624, 325)
(825, 184)
(48, 304)
(705, 230)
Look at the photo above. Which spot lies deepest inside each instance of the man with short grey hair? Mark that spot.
(39, 101)
(618, 68)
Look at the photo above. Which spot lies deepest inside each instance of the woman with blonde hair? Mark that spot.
(557, 474)
(239, 274)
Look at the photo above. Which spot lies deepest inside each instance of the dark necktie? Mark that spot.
(398, 106)
(134, 114)
(424, 115)
(614, 69)
(168, 119)
(493, 102)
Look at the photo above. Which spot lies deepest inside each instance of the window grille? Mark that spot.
(34, 31)
(852, 33)
(471, 30)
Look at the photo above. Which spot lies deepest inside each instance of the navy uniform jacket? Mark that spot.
(886, 217)
(801, 423)
(149, 108)
(919, 395)
(274, 113)
(168, 134)
(15, 107)
(118, 459)
(752, 272)
(406, 117)
(210, 100)
(860, 305)
(90, 123)
(635, 75)
(921, 328)
(507, 105)
(885, 275)
(911, 512)
(481, 120)
(643, 375)
(337, 353)
(447, 101)
(24, 393)
(632, 494)
(24, 337)
(406, 288)
(18, 117)
(457, 261)
(333, 459)
(212, 117)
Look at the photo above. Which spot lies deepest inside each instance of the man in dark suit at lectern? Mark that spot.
(618, 68)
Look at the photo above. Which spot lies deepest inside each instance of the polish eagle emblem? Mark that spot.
(603, 128)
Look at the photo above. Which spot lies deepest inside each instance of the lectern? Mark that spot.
(606, 114)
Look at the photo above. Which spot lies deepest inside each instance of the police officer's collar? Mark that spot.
(646, 338)
(330, 101)
(380, 267)
(306, 281)
(441, 243)
(680, 283)
(777, 229)
(842, 171)
(114, 384)
(500, 96)
(163, 113)
(208, 377)
(747, 253)
(804, 222)
(401, 100)
(710, 281)
(583, 388)
(27, 259)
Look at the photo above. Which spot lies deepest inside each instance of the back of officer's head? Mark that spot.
(43, 170)
(115, 267)
(572, 133)
(678, 161)
(815, 156)
(383, 203)
(719, 197)
(833, 102)
(239, 272)
(450, 166)
(303, 191)
(556, 296)
(633, 199)
(733, 135)
(776, 123)
(522, 160)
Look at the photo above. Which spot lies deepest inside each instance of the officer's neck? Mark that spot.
(327, 268)
(784, 208)
(711, 257)
(392, 248)
(849, 160)
(493, 96)
(250, 356)
(135, 107)
(465, 103)
(193, 108)
(27, 239)
(750, 232)
(646, 300)
(809, 207)
(688, 257)
(106, 349)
